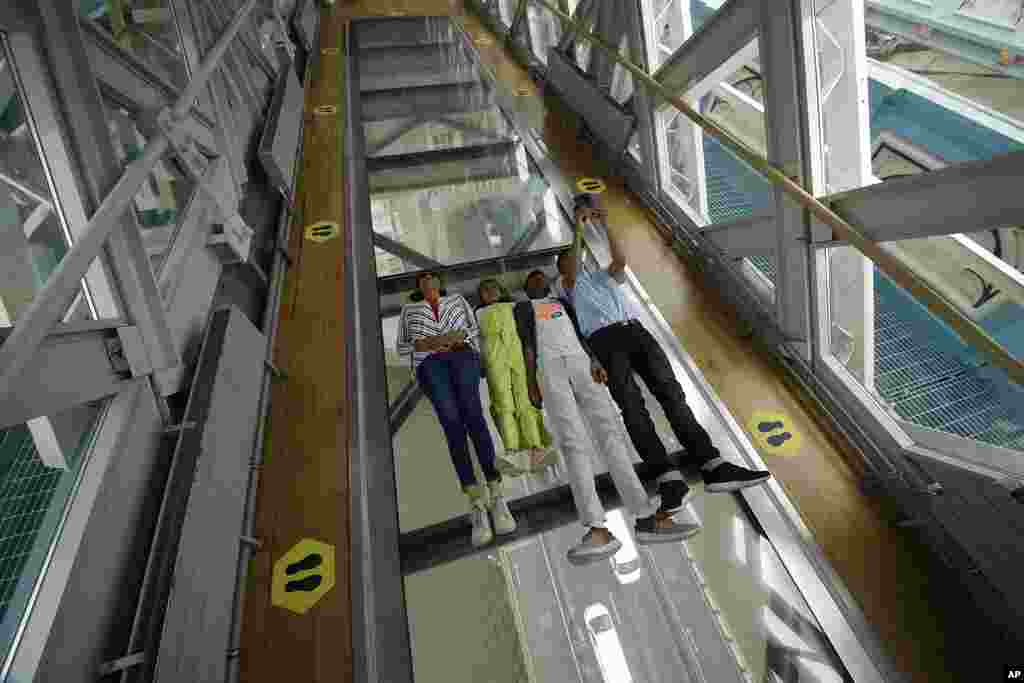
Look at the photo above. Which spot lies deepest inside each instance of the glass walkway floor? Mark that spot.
(457, 183)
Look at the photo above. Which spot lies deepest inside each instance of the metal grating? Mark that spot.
(26, 490)
(926, 383)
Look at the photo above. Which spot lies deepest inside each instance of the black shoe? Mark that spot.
(728, 477)
(647, 531)
(673, 495)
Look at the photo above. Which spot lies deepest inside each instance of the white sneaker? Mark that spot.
(504, 522)
(482, 534)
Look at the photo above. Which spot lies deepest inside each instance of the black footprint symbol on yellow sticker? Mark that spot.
(309, 583)
(779, 439)
(766, 427)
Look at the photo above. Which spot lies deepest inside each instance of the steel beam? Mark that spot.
(381, 648)
(966, 198)
(451, 172)
(58, 292)
(448, 541)
(406, 282)
(643, 102)
(788, 122)
(426, 102)
(725, 34)
(67, 370)
(405, 253)
(847, 289)
(127, 255)
(746, 237)
(501, 149)
(393, 136)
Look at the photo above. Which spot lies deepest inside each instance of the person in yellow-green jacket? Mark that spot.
(528, 445)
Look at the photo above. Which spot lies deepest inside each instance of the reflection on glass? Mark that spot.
(606, 644)
(33, 237)
(39, 463)
(474, 219)
(160, 201)
(145, 29)
(626, 562)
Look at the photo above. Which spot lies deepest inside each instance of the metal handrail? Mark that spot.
(889, 264)
(51, 301)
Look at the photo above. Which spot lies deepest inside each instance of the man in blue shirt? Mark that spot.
(624, 347)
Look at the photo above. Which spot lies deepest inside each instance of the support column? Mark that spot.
(792, 145)
(845, 121)
(690, 147)
(643, 102)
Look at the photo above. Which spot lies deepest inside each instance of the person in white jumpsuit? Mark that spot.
(563, 377)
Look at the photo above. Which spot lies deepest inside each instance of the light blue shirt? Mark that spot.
(597, 299)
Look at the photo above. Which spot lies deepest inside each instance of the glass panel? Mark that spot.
(145, 28)
(39, 464)
(521, 612)
(160, 202)
(922, 371)
(452, 217)
(702, 10)
(33, 234)
(939, 103)
(545, 30)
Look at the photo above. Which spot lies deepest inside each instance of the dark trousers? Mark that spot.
(625, 349)
(451, 381)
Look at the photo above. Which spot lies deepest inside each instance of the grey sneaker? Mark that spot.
(482, 534)
(504, 522)
(591, 550)
(648, 531)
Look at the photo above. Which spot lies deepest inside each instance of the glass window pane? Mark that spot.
(929, 377)
(33, 234)
(39, 464)
(923, 90)
(160, 202)
(145, 28)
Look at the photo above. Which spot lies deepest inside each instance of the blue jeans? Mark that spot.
(451, 380)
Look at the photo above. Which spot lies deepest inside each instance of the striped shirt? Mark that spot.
(418, 321)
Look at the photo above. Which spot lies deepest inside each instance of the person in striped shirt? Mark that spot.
(441, 334)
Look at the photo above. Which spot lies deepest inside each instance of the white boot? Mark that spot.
(482, 534)
(504, 522)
